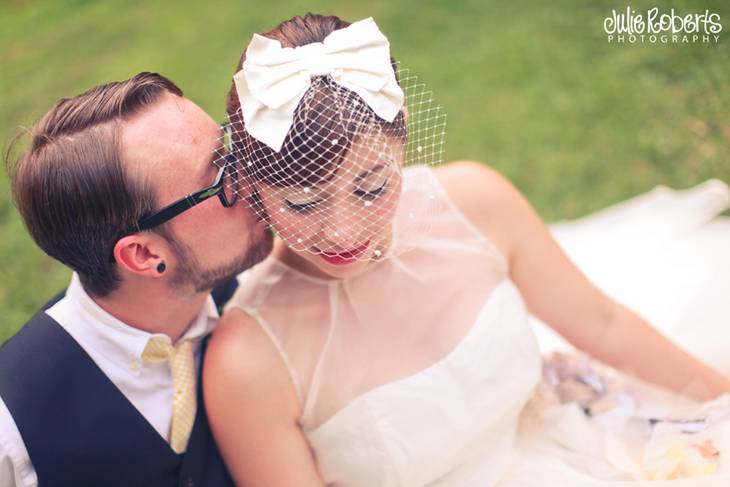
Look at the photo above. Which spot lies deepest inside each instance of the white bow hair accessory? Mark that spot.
(274, 79)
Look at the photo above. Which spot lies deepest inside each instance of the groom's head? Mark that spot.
(102, 161)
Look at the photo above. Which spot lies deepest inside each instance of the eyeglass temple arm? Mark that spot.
(171, 211)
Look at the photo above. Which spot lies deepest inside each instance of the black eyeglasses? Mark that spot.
(225, 187)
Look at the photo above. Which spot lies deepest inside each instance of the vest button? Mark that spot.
(187, 481)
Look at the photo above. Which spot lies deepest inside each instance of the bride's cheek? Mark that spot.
(386, 207)
(294, 230)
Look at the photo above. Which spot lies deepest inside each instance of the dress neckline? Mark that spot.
(411, 377)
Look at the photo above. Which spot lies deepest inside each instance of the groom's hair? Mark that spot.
(70, 185)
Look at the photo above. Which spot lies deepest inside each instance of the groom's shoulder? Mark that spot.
(55, 299)
(31, 355)
(31, 335)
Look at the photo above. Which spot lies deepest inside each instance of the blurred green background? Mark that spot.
(532, 88)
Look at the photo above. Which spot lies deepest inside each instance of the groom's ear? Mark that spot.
(140, 254)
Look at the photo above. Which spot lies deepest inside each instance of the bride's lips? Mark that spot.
(346, 257)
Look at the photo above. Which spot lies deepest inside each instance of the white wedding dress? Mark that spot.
(426, 370)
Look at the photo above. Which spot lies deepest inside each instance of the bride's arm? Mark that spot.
(253, 409)
(560, 295)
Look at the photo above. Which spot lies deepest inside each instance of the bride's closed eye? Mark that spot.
(369, 195)
(373, 193)
(302, 207)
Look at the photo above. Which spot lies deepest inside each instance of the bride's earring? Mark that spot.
(383, 245)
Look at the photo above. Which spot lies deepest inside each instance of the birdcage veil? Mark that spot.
(323, 134)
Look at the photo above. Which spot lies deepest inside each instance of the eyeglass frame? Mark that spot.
(175, 208)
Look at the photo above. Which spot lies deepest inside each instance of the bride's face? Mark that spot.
(341, 224)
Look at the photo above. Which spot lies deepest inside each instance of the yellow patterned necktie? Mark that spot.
(182, 365)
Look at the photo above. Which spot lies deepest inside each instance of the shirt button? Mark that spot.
(134, 366)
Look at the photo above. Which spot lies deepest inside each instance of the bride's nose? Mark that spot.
(342, 230)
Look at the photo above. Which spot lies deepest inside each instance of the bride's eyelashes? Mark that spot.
(309, 206)
(372, 194)
(302, 207)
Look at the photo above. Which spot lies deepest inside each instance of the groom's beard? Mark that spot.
(190, 273)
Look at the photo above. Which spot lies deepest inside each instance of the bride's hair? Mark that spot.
(328, 112)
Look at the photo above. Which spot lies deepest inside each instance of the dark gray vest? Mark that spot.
(80, 430)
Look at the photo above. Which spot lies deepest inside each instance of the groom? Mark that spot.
(101, 387)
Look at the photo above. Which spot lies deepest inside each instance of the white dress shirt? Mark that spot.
(116, 348)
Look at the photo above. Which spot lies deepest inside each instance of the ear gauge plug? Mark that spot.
(160, 267)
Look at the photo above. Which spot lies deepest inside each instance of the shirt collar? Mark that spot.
(119, 341)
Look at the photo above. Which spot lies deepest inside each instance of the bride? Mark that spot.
(387, 339)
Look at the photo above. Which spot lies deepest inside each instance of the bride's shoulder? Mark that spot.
(241, 356)
(485, 197)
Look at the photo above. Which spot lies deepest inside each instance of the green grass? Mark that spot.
(531, 88)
